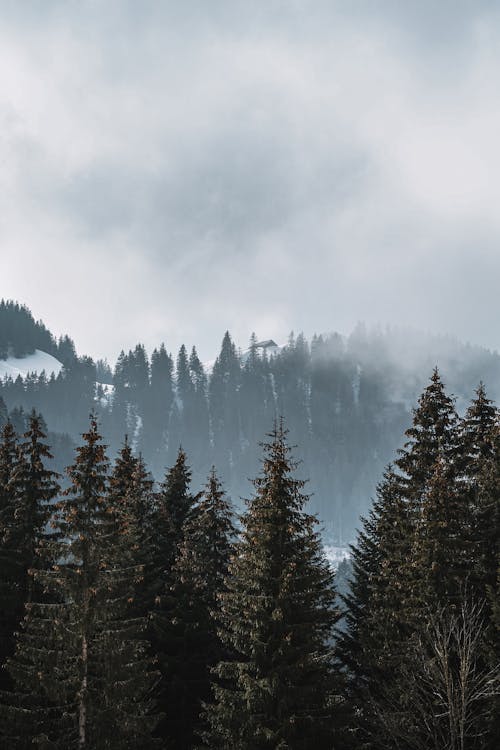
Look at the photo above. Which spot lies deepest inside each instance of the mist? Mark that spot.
(169, 173)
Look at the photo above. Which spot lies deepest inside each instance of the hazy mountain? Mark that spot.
(346, 400)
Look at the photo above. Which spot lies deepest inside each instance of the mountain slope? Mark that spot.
(37, 362)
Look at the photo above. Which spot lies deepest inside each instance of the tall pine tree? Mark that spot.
(173, 508)
(11, 592)
(28, 487)
(194, 645)
(277, 615)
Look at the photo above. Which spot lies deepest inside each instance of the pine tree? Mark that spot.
(480, 485)
(199, 437)
(159, 406)
(277, 614)
(257, 399)
(11, 598)
(225, 407)
(476, 432)
(34, 487)
(4, 415)
(173, 509)
(434, 432)
(175, 503)
(441, 556)
(119, 423)
(122, 475)
(197, 579)
(486, 569)
(432, 441)
(412, 554)
(183, 380)
(27, 489)
(130, 493)
(82, 677)
(374, 641)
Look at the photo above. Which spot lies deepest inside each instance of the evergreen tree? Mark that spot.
(197, 579)
(122, 475)
(441, 556)
(176, 500)
(183, 380)
(480, 485)
(158, 409)
(11, 592)
(432, 443)
(374, 640)
(28, 493)
(121, 397)
(130, 493)
(476, 433)
(82, 677)
(257, 400)
(4, 415)
(225, 407)
(139, 374)
(290, 374)
(199, 438)
(184, 422)
(173, 508)
(410, 556)
(20, 334)
(140, 506)
(66, 351)
(433, 433)
(277, 614)
(480, 456)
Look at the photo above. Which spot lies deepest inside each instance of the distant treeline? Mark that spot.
(346, 401)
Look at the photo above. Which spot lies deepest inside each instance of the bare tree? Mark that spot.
(441, 698)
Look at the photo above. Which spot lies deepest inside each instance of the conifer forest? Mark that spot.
(144, 611)
(249, 375)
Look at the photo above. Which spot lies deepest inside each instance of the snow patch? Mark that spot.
(335, 555)
(33, 363)
(104, 393)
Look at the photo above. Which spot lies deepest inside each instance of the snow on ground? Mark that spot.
(335, 555)
(106, 387)
(36, 362)
(104, 393)
(137, 432)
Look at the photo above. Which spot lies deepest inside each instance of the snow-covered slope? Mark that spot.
(36, 362)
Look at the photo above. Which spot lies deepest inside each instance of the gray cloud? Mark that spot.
(170, 170)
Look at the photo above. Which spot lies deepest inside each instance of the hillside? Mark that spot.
(37, 362)
(22, 335)
(346, 401)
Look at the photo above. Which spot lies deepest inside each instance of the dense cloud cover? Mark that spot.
(173, 169)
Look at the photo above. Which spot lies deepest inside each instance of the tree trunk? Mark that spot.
(82, 707)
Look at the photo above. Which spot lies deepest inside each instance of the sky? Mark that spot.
(170, 170)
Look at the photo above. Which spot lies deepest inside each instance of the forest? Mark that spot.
(137, 615)
(249, 375)
(346, 401)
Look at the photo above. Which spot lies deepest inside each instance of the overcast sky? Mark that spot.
(173, 169)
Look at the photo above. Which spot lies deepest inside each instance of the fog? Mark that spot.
(172, 170)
